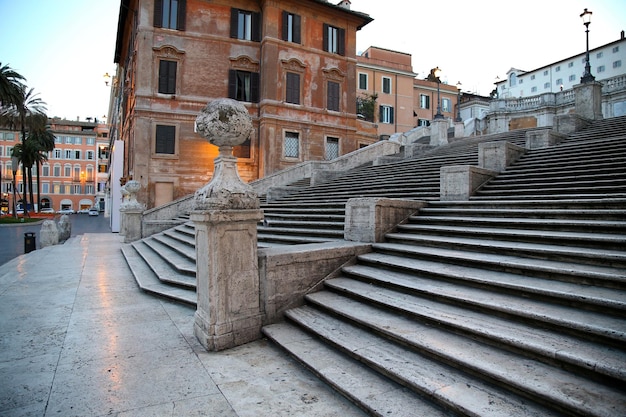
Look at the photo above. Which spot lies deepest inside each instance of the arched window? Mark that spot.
(512, 79)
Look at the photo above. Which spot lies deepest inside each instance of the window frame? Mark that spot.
(386, 114)
(159, 16)
(334, 39)
(424, 101)
(235, 91)
(333, 95)
(331, 140)
(386, 86)
(167, 76)
(254, 33)
(286, 135)
(291, 27)
(292, 94)
(164, 144)
(363, 76)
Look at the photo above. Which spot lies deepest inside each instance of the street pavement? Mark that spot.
(12, 236)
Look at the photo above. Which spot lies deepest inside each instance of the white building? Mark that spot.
(606, 61)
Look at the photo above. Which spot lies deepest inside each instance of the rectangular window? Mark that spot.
(332, 148)
(292, 145)
(169, 14)
(362, 81)
(76, 189)
(617, 64)
(599, 55)
(165, 139)
(45, 171)
(546, 85)
(57, 154)
(570, 65)
(333, 96)
(386, 114)
(68, 154)
(245, 25)
(90, 155)
(91, 141)
(67, 171)
(293, 88)
(572, 77)
(545, 72)
(57, 170)
(445, 104)
(615, 49)
(78, 141)
(291, 27)
(89, 189)
(69, 140)
(243, 86)
(386, 85)
(601, 68)
(424, 101)
(76, 154)
(532, 77)
(558, 68)
(45, 188)
(423, 122)
(334, 40)
(559, 82)
(167, 77)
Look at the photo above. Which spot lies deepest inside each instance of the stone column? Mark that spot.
(589, 100)
(225, 216)
(131, 211)
(439, 132)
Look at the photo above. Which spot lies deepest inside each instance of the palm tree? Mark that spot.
(11, 86)
(41, 140)
(24, 114)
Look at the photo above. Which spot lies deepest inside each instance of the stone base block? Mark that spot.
(439, 132)
(131, 221)
(459, 182)
(498, 155)
(369, 219)
(570, 123)
(543, 138)
(226, 335)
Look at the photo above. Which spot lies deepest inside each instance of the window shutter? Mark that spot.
(162, 76)
(234, 21)
(296, 28)
(232, 84)
(182, 14)
(380, 113)
(171, 77)
(341, 41)
(325, 37)
(158, 14)
(165, 139)
(254, 87)
(390, 114)
(256, 27)
(333, 96)
(285, 26)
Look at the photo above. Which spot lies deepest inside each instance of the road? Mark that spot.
(12, 236)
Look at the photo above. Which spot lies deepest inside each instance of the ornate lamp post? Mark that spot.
(587, 77)
(458, 103)
(437, 73)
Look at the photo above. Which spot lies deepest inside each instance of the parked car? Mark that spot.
(83, 211)
(47, 210)
(93, 211)
(65, 211)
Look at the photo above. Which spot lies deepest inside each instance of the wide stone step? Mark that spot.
(371, 391)
(578, 273)
(530, 242)
(585, 358)
(179, 261)
(302, 224)
(149, 282)
(424, 345)
(438, 364)
(164, 269)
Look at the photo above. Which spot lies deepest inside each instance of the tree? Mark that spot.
(24, 114)
(11, 86)
(366, 106)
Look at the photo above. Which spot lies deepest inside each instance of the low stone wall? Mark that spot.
(288, 273)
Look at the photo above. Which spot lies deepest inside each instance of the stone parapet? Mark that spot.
(369, 219)
(570, 123)
(498, 155)
(459, 182)
(543, 138)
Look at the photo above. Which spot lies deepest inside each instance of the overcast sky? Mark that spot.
(63, 47)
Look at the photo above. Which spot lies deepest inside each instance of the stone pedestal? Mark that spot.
(439, 132)
(498, 155)
(589, 100)
(369, 219)
(459, 182)
(65, 228)
(459, 130)
(229, 306)
(131, 223)
(49, 234)
(225, 217)
(543, 138)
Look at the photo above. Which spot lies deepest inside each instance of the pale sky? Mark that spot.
(63, 47)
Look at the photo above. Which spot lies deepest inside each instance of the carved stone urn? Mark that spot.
(225, 123)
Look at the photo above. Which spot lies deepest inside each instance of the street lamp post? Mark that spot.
(458, 103)
(587, 77)
(14, 163)
(437, 73)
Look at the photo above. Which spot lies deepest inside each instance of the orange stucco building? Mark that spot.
(292, 63)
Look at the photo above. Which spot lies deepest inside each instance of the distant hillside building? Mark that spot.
(293, 64)
(606, 61)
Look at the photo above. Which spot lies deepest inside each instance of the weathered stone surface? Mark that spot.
(129, 191)
(543, 138)
(65, 228)
(439, 132)
(498, 155)
(459, 182)
(49, 234)
(224, 122)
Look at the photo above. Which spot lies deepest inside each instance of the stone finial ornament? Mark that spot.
(225, 123)
(129, 191)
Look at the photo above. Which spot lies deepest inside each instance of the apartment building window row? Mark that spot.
(245, 25)
(170, 14)
(291, 27)
(7, 136)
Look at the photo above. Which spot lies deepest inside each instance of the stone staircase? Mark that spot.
(512, 303)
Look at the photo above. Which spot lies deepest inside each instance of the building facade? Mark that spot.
(607, 61)
(68, 179)
(292, 63)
